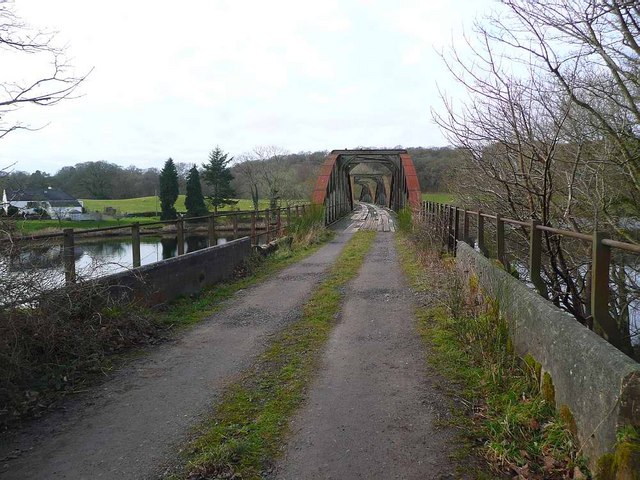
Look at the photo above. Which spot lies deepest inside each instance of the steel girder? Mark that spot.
(334, 187)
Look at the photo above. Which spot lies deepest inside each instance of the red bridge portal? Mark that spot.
(384, 177)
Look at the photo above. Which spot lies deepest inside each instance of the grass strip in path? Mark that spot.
(509, 419)
(245, 434)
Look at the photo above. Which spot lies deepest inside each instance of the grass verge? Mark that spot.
(507, 418)
(246, 432)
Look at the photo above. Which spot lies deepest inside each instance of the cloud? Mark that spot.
(177, 78)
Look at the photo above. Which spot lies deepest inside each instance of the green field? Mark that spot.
(122, 206)
(439, 197)
(152, 204)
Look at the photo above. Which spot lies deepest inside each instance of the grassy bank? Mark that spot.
(507, 417)
(246, 432)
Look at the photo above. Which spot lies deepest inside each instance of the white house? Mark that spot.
(55, 202)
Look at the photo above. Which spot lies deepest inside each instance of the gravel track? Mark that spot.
(373, 411)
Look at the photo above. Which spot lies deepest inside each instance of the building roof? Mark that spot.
(41, 195)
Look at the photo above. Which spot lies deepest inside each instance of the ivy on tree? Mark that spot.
(217, 175)
(168, 190)
(194, 200)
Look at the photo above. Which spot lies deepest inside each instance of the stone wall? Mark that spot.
(187, 274)
(596, 386)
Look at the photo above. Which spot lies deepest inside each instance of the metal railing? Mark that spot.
(267, 222)
(454, 224)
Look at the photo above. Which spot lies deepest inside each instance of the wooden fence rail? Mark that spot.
(445, 219)
(271, 226)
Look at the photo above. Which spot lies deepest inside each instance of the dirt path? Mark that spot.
(372, 413)
(132, 424)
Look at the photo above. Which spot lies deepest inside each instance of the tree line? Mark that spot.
(267, 172)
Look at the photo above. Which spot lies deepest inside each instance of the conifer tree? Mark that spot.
(194, 200)
(217, 175)
(168, 190)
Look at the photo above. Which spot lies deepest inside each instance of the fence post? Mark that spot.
(535, 257)
(69, 257)
(288, 218)
(449, 227)
(235, 225)
(500, 240)
(481, 246)
(135, 244)
(253, 227)
(278, 223)
(297, 211)
(211, 227)
(180, 236)
(443, 224)
(600, 292)
(465, 226)
(267, 221)
(456, 229)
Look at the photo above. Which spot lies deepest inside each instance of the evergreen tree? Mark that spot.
(217, 175)
(194, 200)
(168, 190)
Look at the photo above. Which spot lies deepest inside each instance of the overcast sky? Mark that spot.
(177, 78)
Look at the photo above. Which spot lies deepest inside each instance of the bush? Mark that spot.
(53, 338)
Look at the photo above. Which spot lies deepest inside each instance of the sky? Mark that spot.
(175, 79)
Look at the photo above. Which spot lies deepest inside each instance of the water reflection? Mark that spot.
(95, 257)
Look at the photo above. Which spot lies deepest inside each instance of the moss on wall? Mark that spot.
(547, 389)
(567, 417)
(624, 462)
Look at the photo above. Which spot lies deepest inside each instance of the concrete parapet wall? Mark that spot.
(599, 384)
(163, 281)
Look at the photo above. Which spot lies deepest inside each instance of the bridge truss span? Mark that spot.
(384, 177)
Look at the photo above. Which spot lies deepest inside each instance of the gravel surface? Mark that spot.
(373, 411)
(134, 422)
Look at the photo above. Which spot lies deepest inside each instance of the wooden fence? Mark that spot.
(267, 222)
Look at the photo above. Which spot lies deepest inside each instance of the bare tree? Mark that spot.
(250, 173)
(550, 129)
(592, 51)
(17, 38)
(271, 170)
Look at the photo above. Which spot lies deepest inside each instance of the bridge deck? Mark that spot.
(368, 216)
